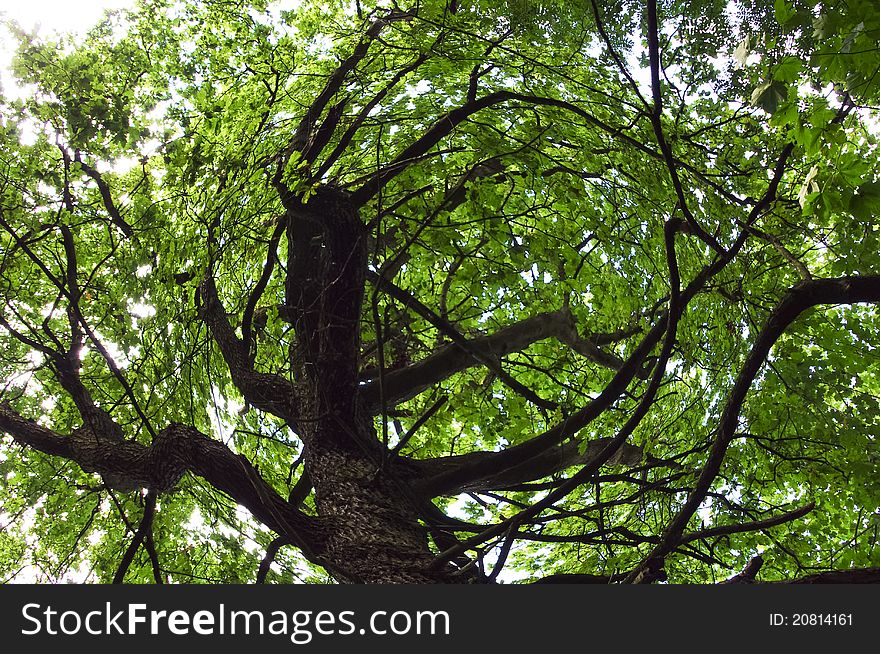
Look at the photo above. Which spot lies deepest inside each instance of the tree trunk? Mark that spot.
(372, 529)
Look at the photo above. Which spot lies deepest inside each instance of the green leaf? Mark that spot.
(784, 11)
(865, 202)
(788, 70)
(769, 96)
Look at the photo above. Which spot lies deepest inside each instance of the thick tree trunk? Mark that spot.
(373, 532)
(372, 529)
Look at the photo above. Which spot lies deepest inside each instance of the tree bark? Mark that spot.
(372, 527)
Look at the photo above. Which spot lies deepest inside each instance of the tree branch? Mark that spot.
(70, 290)
(266, 563)
(115, 217)
(143, 529)
(449, 330)
(725, 530)
(621, 66)
(405, 383)
(843, 290)
(802, 270)
(586, 473)
(247, 318)
(657, 123)
(346, 138)
(300, 140)
(264, 391)
(177, 449)
(449, 121)
(566, 455)
(747, 576)
(483, 467)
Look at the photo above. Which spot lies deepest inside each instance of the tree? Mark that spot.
(420, 293)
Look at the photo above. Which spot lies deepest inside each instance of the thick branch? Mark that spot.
(300, 140)
(401, 385)
(458, 340)
(271, 255)
(264, 391)
(557, 459)
(269, 558)
(143, 529)
(346, 138)
(747, 576)
(175, 450)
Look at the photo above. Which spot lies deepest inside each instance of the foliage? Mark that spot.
(611, 165)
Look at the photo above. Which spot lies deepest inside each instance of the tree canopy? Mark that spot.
(443, 291)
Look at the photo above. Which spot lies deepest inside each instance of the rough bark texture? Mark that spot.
(372, 526)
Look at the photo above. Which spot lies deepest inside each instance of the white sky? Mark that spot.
(59, 15)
